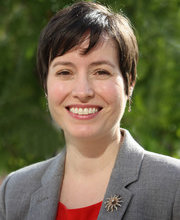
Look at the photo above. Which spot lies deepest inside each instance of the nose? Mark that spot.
(82, 89)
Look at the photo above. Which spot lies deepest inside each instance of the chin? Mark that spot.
(82, 133)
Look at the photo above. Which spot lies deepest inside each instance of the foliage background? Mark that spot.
(27, 133)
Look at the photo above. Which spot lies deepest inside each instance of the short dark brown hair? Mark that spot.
(67, 27)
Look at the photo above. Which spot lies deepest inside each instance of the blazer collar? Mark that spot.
(44, 201)
(125, 171)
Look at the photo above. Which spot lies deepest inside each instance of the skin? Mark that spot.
(93, 80)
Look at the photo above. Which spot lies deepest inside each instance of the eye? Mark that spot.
(102, 74)
(64, 74)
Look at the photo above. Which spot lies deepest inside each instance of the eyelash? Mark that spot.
(63, 73)
(103, 72)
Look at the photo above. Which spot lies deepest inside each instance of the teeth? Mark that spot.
(83, 111)
(86, 111)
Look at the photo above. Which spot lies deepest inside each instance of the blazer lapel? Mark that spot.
(125, 172)
(44, 201)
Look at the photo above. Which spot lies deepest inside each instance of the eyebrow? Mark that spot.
(101, 62)
(64, 63)
(96, 63)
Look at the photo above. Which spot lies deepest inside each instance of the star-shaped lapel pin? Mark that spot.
(113, 203)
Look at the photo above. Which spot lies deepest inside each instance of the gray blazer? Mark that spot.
(148, 183)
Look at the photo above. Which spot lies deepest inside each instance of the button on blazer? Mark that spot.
(147, 183)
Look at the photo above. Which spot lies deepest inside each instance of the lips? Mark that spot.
(83, 110)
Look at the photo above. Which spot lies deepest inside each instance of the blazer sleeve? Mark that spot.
(2, 199)
(176, 207)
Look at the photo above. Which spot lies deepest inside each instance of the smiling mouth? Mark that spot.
(84, 110)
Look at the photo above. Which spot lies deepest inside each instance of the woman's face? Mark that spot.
(86, 94)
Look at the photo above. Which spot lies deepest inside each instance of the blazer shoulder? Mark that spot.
(161, 166)
(162, 160)
(29, 177)
(31, 171)
(19, 186)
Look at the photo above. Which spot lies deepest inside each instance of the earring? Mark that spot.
(46, 102)
(130, 98)
(129, 103)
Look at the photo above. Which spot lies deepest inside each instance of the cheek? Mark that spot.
(112, 92)
(56, 91)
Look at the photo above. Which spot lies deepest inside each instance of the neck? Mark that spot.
(89, 157)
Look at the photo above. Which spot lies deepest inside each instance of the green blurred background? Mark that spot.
(27, 134)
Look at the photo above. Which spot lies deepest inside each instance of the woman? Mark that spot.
(87, 59)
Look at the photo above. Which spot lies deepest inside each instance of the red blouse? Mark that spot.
(86, 213)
